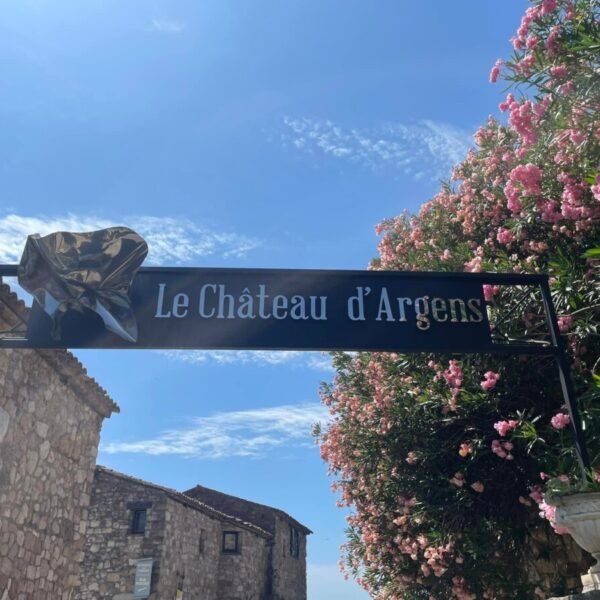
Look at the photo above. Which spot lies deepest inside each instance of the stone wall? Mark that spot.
(556, 560)
(286, 573)
(289, 572)
(50, 419)
(245, 575)
(111, 549)
(190, 553)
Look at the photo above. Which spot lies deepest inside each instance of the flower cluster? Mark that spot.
(503, 449)
(560, 420)
(415, 442)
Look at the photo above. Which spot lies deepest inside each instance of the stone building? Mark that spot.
(197, 551)
(288, 550)
(51, 413)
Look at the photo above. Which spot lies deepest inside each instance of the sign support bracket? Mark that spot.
(566, 382)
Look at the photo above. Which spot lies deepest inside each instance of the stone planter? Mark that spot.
(580, 514)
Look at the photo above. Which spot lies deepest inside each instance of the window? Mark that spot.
(294, 542)
(201, 542)
(138, 515)
(138, 524)
(231, 542)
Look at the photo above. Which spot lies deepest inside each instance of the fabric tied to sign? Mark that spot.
(85, 271)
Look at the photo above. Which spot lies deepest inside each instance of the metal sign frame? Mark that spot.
(554, 346)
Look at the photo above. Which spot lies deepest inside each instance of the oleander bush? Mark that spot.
(444, 460)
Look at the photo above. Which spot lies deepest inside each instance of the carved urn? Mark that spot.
(580, 514)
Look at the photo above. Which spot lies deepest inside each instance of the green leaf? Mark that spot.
(592, 253)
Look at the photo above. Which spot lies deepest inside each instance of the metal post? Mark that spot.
(566, 382)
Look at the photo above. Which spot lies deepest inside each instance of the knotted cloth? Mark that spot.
(85, 271)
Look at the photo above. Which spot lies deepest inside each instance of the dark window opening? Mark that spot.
(138, 524)
(231, 542)
(294, 542)
(201, 542)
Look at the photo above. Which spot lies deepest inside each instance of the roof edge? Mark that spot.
(188, 501)
(71, 371)
(276, 511)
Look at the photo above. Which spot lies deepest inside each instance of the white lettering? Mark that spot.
(385, 307)
(160, 311)
(298, 309)
(356, 304)
(280, 303)
(202, 303)
(180, 301)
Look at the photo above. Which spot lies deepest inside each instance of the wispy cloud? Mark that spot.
(423, 150)
(246, 433)
(310, 360)
(171, 26)
(171, 240)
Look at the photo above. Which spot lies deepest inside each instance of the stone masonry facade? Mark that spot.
(185, 537)
(51, 413)
(287, 562)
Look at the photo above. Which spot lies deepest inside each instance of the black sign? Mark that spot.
(264, 309)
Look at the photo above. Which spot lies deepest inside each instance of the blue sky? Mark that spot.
(241, 134)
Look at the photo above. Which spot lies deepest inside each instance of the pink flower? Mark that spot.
(531, 42)
(551, 43)
(495, 71)
(465, 449)
(489, 383)
(453, 375)
(502, 449)
(505, 236)
(577, 136)
(523, 120)
(529, 177)
(547, 511)
(535, 493)
(560, 420)
(489, 291)
(565, 323)
(478, 487)
(559, 71)
(503, 427)
(548, 6)
(504, 106)
(512, 194)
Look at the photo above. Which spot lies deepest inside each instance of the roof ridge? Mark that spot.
(272, 508)
(188, 500)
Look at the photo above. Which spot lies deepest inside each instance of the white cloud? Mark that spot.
(326, 582)
(311, 360)
(247, 433)
(171, 26)
(170, 240)
(425, 149)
